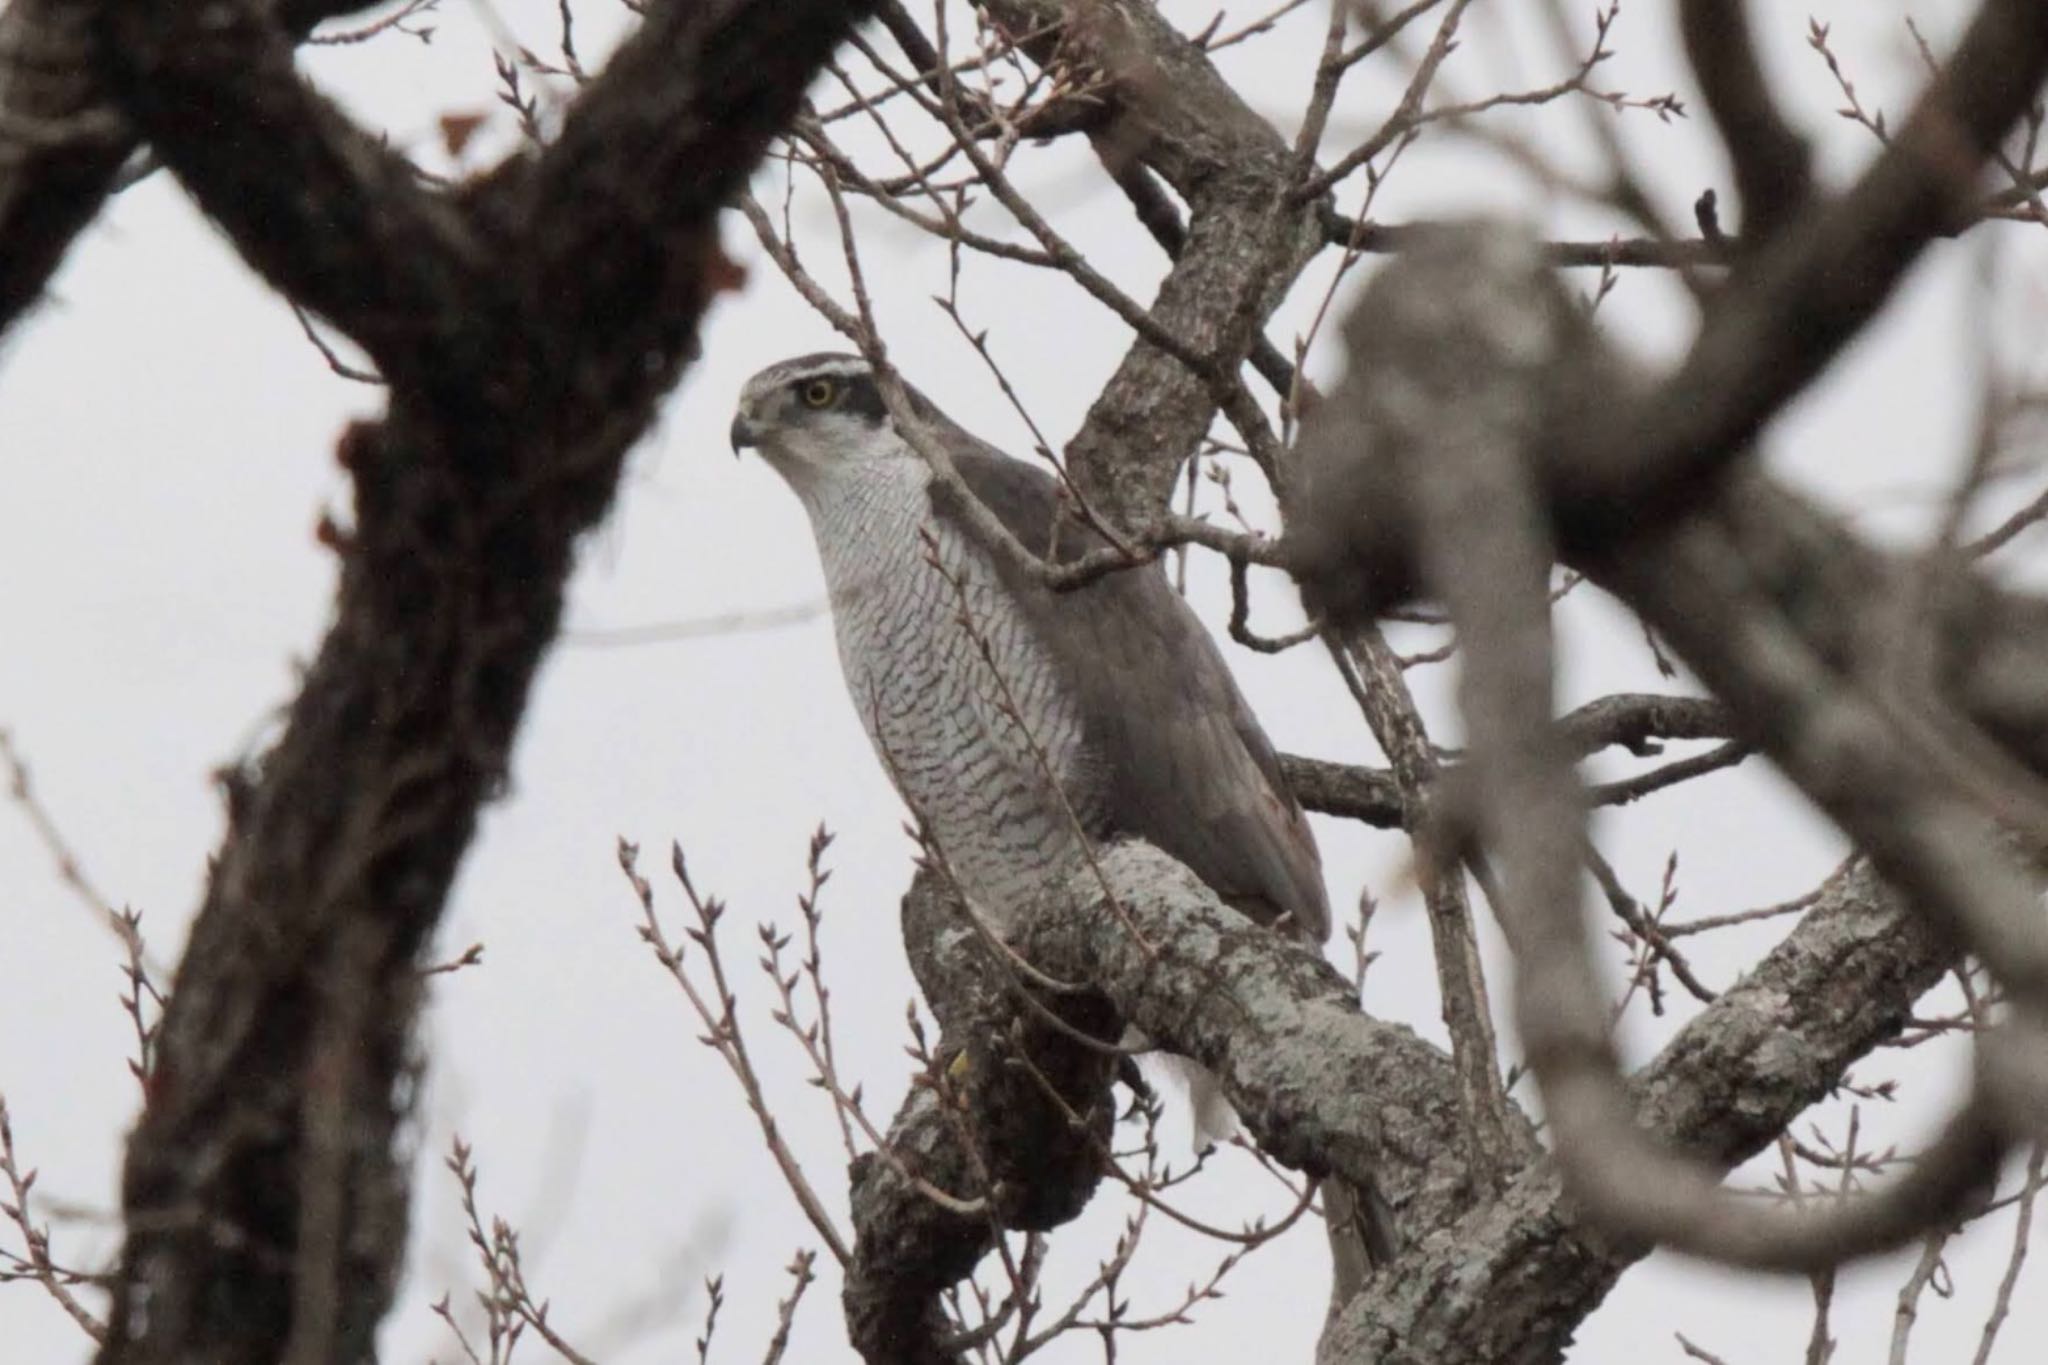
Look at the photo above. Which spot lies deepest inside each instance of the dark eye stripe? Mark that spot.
(864, 399)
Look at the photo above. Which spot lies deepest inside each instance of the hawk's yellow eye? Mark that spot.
(819, 393)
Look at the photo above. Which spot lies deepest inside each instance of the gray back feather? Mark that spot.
(1179, 756)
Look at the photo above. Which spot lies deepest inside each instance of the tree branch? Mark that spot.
(1633, 721)
(1322, 1086)
(62, 139)
(1510, 1281)
(979, 1123)
(1373, 674)
(1783, 320)
(265, 1206)
(60, 144)
(328, 215)
(1648, 252)
(1773, 165)
(1245, 239)
(1329, 1089)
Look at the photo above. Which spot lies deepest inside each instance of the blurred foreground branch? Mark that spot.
(526, 339)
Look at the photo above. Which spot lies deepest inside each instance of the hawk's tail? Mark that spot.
(1212, 1121)
(1215, 1122)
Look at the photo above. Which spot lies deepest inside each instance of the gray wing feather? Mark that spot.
(1180, 757)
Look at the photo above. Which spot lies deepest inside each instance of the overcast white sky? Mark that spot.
(166, 440)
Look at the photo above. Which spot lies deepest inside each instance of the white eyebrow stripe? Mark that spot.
(831, 369)
(805, 367)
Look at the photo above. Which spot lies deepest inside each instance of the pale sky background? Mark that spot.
(166, 440)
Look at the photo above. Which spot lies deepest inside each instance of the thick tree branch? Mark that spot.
(60, 144)
(1508, 1283)
(1320, 1085)
(989, 1121)
(331, 217)
(1156, 212)
(659, 146)
(62, 139)
(1482, 529)
(1325, 1087)
(1350, 544)
(1245, 241)
(265, 1207)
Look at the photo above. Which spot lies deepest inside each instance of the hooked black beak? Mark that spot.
(743, 434)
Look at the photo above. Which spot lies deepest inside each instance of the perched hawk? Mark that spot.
(1126, 703)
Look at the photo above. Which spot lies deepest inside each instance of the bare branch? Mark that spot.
(1772, 162)
(1826, 275)
(1647, 252)
(35, 1262)
(71, 870)
(1371, 672)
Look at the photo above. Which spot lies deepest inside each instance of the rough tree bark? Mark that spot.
(1323, 1086)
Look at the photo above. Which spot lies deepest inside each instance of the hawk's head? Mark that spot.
(815, 412)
